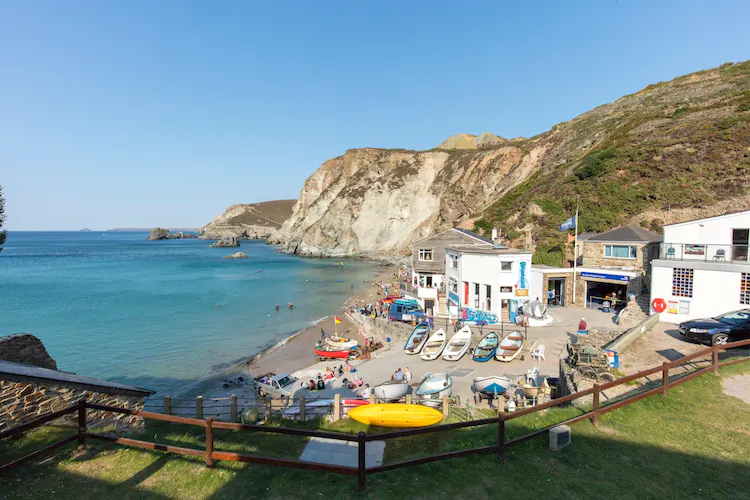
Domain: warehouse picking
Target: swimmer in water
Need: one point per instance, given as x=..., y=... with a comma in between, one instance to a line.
x=277, y=307
x=290, y=306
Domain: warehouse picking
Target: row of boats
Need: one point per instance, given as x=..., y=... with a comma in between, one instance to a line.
x=335, y=347
x=432, y=346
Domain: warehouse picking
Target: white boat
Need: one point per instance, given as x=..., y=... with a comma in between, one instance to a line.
x=312, y=409
x=494, y=384
x=341, y=343
x=434, y=346
x=417, y=339
x=458, y=345
x=391, y=391
x=433, y=388
x=510, y=347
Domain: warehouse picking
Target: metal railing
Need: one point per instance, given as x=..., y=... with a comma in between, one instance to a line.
x=705, y=252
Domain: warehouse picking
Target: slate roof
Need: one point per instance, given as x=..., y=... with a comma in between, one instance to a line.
x=628, y=234
x=473, y=234
x=19, y=372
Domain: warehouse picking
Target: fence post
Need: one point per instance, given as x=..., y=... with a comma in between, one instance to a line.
x=302, y=416
x=82, y=423
x=336, y=407
x=199, y=407
x=233, y=407
x=361, y=455
x=167, y=405
x=372, y=399
x=268, y=407
x=209, y=442
x=715, y=359
x=664, y=378
x=500, y=435
x=595, y=418
x=446, y=407
x=408, y=399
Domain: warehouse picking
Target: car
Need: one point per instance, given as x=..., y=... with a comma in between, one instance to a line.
x=720, y=330
x=274, y=384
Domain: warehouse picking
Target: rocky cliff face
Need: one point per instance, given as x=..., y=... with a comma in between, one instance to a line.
x=256, y=221
x=684, y=143
x=26, y=348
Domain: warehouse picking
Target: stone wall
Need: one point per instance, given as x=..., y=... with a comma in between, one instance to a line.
x=593, y=255
x=22, y=402
x=27, y=349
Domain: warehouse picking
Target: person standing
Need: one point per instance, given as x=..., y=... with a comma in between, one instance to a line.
x=407, y=375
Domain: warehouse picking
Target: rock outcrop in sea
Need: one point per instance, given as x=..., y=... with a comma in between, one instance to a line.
x=238, y=255
x=225, y=242
x=27, y=349
x=163, y=234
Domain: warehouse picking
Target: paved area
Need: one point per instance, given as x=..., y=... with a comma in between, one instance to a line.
x=738, y=386
x=336, y=452
x=379, y=369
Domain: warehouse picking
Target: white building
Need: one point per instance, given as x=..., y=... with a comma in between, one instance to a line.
x=703, y=269
x=486, y=283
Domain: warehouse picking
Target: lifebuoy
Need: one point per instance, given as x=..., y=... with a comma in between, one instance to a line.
x=659, y=305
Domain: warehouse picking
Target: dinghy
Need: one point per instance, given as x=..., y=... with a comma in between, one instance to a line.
x=396, y=415
x=324, y=353
x=510, y=347
x=458, y=345
x=391, y=391
x=417, y=339
x=433, y=388
x=341, y=343
x=434, y=346
x=492, y=385
x=486, y=348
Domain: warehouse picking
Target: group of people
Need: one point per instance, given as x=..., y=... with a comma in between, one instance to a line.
x=331, y=373
x=289, y=305
x=400, y=376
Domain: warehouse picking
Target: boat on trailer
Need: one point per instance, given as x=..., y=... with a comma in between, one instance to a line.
x=434, y=346
x=458, y=345
x=490, y=387
x=341, y=343
x=433, y=388
x=510, y=347
x=486, y=348
x=417, y=339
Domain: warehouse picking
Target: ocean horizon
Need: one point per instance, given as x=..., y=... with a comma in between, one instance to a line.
x=163, y=315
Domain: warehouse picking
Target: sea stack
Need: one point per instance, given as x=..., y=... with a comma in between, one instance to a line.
x=227, y=241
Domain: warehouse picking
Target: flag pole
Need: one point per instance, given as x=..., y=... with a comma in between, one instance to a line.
x=575, y=252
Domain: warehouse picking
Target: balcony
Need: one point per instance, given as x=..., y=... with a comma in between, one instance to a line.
x=735, y=254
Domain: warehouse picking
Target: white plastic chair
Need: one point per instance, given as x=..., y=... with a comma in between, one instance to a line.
x=532, y=377
x=538, y=353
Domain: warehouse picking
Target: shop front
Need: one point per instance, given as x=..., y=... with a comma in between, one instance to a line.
x=606, y=287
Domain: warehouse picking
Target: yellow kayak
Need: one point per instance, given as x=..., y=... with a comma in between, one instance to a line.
x=396, y=415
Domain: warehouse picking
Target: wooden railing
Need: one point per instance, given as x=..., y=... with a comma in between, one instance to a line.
x=211, y=455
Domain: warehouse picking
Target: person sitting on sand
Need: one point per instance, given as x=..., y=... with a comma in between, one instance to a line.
x=311, y=385
x=329, y=373
x=341, y=370
x=365, y=393
x=398, y=376
x=582, y=326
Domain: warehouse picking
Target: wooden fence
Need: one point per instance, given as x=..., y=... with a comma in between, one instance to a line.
x=361, y=471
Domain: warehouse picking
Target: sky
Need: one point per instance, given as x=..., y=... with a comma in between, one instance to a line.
x=143, y=113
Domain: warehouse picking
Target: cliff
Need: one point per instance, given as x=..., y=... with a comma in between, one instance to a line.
x=684, y=144
x=251, y=221
x=26, y=348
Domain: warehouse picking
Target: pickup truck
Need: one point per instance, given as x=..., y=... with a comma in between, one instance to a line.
x=280, y=384
x=406, y=312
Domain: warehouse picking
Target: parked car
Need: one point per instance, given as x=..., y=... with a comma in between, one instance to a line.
x=275, y=385
x=406, y=312
x=720, y=330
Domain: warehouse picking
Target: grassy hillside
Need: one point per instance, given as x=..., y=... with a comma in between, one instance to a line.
x=684, y=143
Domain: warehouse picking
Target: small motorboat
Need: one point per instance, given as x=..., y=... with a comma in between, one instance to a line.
x=510, y=347
x=331, y=353
x=458, y=345
x=434, y=346
x=433, y=388
x=417, y=339
x=486, y=348
x=341, y=343
x=391, y=391
x=490, y=387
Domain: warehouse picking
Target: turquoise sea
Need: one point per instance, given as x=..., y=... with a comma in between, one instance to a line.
x=116, y=306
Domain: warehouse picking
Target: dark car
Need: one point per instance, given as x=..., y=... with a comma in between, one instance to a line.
x=720, y=330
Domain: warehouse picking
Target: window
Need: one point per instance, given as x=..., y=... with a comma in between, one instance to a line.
x=621, y=251
x=745, y=289
x=429, y=281
x=453, y=284
x=425, y=254
x=489, y=297
x=506, y=266
x=454, y=262
x=734, y=318
x=476, y=295
x=506, y=289
x=682, y=282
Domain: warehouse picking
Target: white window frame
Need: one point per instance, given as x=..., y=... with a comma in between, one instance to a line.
x=630, y=247
x=423, y=252
x=503, y=262
x=453, y=285
x=454, y=262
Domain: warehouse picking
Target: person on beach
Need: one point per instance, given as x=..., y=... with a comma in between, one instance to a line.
x=321, y=383
x=365, y=393
x=398, y=376
x=322, y=334
x=341, y=370
x=407, y=375
x=311, y=385
x=582, y=325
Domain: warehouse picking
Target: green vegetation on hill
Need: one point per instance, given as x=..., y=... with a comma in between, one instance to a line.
x=684, y=143
x=695, y=443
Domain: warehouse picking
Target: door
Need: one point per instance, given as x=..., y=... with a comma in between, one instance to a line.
x=488, y=292
x=429, y=281
x=429, y=306
x=466, y=293
x=739, y=244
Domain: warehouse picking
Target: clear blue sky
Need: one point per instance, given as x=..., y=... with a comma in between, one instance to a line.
x=145, y=113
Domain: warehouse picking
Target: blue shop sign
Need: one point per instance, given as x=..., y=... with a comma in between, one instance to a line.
x=602, y=276
x=453, y=297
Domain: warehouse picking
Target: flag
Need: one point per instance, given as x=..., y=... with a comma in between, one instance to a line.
x=337, y=320
x=568, y=224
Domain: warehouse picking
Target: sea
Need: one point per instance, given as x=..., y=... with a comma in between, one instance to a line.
x=165, y=315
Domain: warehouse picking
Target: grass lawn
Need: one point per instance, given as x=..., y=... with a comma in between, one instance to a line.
x=693, y=444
